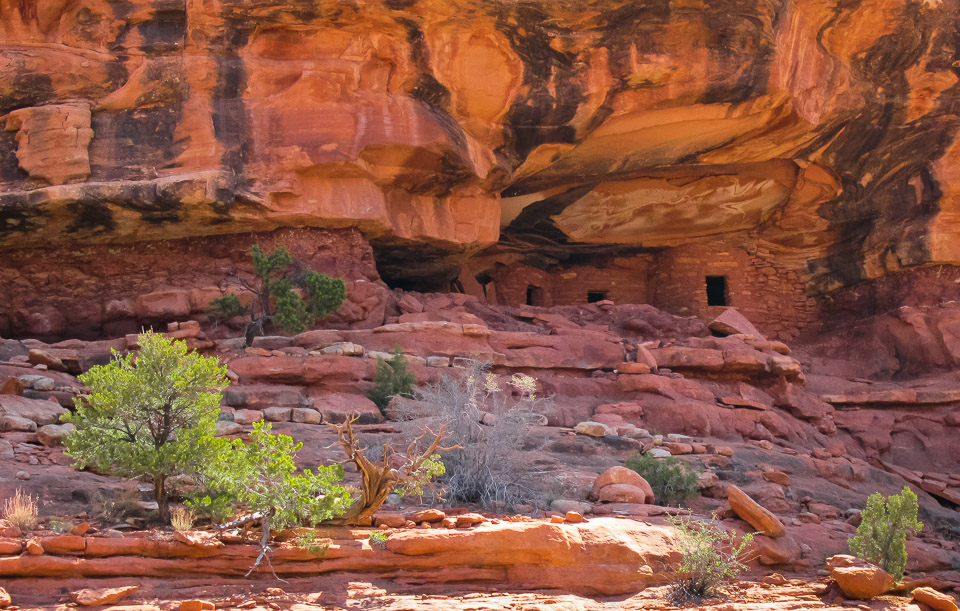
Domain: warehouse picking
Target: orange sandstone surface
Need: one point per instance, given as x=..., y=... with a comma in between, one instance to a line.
x=798, y=148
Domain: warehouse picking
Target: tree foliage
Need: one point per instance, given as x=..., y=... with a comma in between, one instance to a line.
x=282, y=294
x=150, y=414
x=884, y=525
x=262, y=478
x=391, y=379
x=672, y=480
x=710, y=556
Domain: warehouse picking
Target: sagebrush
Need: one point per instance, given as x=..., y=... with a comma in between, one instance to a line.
x=489, y=421
x=672, y=480
x=884, y=526
x=710, y=556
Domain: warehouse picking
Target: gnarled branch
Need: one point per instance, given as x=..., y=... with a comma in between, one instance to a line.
x=379, y=479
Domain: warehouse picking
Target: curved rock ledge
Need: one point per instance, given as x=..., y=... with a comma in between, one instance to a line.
x=604, y=556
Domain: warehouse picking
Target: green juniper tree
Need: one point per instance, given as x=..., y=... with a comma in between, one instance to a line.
x=884, y=525
x=283, y=294
x=152, y=414
x=262, y=478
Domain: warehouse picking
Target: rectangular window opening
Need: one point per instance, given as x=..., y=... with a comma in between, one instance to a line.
x=595, y=296
x=534, y=296
x=717, y=291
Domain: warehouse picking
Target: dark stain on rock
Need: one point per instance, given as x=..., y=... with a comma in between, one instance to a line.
x=90, y=218
x=427, y=89
x=28, y=89
x=117, y=73
x=229, y=111
x=398, y=5
x=10, y=170
x=165, y=32
x=167, y=77
x=740, y=32
x=885, y=160
x=633, y=24
x=550, y=77
x=132, y=144
x=14, y=218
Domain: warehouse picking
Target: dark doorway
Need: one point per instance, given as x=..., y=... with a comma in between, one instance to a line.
x=595, y=296
x=534, y=296
x=717, y=291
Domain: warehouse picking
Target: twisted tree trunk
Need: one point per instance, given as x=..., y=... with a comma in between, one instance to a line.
x=378, y=480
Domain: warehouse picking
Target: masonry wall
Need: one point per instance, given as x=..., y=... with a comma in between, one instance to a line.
x=623, y=280
x=768, y=289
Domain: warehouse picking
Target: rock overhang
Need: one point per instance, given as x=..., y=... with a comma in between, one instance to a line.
x=440, y=130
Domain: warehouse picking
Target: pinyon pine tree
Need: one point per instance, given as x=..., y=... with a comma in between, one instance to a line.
x=283, y=295
x=152, y=414
x=884, y=525
x=262, y=477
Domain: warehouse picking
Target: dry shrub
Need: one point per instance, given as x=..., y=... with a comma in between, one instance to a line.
x=489, y=419
x=21, y=510
x=182, y=518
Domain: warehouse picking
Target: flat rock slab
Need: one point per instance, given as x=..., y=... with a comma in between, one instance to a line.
x=605, y=556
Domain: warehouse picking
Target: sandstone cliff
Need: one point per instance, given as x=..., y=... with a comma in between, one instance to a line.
x=804, y=145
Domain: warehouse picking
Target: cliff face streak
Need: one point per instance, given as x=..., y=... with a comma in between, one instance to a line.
x=467, y=134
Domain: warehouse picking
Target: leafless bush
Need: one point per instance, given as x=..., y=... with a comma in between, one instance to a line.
x=488, y=416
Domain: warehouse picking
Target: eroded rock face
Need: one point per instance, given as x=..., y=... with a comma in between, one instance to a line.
x=818, y=136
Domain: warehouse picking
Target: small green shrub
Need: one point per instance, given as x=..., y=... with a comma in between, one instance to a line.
x=673, y=481
x=378, y=540
x=710, y=557
x=391, y=379
x=311, y=541
x=211, y=505
x=61, y=525
x=884, y=526
x=414, y=485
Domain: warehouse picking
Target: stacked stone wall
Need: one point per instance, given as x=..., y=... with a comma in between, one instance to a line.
x=767, y=288
x=623, y=280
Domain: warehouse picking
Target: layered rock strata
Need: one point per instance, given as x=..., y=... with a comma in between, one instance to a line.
x=795, y=148
x=600, y=557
